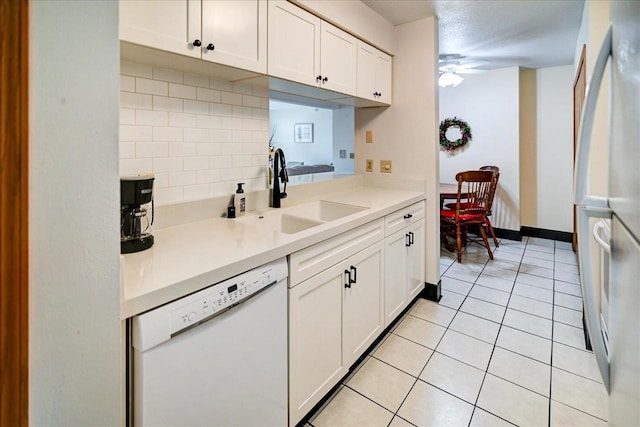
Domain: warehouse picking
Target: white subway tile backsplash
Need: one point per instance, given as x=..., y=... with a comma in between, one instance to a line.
x=163, y=103
x=196, y=134
x=199, y=135
x=196, y=80
x=196, y=107
x=127, y=83
x=183, y=149
x=167, y=134
x=167, y=164
x=152, y=149
x=167, y=75
x=152, y=118
x=195, y=163
x=182, y=120
x=210, y=95
x=151, y=87
x=135, y=133
x=182, y=178
x=231, y=98
x=182, y=91
x=138, y=101
x=127, y=116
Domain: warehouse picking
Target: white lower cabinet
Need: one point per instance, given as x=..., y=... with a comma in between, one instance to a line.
x=343, y=292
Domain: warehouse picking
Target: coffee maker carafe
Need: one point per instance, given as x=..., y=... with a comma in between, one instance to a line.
x=135, y=225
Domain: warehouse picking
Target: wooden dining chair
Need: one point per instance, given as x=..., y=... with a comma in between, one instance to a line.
x=469, y=211
x=494, y=185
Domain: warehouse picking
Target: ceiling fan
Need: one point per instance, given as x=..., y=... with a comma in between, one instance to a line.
x=450, y=66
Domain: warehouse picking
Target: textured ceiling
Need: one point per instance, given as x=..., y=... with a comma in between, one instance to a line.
x=504, y=33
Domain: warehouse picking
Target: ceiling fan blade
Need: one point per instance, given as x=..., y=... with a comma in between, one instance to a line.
x=470, y=71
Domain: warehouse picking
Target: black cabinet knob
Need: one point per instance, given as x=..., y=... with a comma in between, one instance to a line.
x=197, y=43
x=210, y=46
x=325, y=79
x=319, y=78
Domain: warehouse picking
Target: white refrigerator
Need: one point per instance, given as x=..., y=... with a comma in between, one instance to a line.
x=619, y=361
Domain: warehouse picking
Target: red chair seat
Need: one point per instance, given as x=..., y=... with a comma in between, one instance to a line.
x=449, y=214
x=463, y=206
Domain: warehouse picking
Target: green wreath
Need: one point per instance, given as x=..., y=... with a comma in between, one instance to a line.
x=465, y=132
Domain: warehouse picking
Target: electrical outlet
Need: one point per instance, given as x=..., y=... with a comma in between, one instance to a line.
x=369, y=136
x=369, y=165
x=385, y=166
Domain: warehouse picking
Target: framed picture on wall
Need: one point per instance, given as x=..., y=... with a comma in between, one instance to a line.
x=303, y=132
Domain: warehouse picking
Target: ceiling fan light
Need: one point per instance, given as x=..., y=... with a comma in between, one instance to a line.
x=449, y=79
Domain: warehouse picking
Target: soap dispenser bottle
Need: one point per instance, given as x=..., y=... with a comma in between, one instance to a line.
x=240, y=201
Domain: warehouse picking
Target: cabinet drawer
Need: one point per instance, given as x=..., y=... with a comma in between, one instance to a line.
x=314, y=259
x=402, y=218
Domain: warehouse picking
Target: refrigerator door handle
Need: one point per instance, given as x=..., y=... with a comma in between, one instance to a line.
x=597, y=234
x=586, y=127
x=591, y=207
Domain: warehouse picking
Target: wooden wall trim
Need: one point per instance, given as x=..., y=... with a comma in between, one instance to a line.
x=14, y=250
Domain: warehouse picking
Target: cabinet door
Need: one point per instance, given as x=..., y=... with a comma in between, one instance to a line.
x=237, y=29
x=366, y=71
x=383, y=77
x=315, y=340
x=171, y=25
x=338, y=59
x=362, y=317
x=294, y=43
x=395, y=275
x=415, y=260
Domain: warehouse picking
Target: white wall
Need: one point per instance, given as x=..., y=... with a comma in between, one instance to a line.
x=407, y=132
x=320, y=151
x=199, y=135
x=75, y=346
x=489, y=104
x=554, y=149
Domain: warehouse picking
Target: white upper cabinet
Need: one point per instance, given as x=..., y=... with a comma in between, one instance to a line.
x=171, y=25
x=307, y=50
x=237, y=32
x=225, y=32
x=338, y=59
x=374, y=74
x=294, y=43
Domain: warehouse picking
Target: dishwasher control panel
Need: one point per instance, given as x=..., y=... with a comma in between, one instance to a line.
x=216, y=299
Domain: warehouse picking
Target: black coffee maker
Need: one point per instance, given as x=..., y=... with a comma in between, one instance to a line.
x=135, y=225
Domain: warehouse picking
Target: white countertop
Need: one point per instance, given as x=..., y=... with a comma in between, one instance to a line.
x=190, y=257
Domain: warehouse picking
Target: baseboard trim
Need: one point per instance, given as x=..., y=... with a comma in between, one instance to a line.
x=503, y=233
x=543, y=233
x=432, y=292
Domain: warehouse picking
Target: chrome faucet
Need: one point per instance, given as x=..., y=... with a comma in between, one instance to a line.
x=279, y=174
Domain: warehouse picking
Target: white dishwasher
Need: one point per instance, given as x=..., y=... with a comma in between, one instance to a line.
x=217, y=357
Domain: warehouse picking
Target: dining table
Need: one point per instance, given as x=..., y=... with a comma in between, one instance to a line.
x=449, y=191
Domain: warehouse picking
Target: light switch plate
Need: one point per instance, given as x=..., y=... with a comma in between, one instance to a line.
x=385, y=166
x=369, y=136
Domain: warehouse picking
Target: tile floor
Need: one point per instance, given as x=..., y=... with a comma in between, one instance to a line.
x=505, y=346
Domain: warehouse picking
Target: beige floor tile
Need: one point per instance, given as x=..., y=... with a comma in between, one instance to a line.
x=533, y=292
x=504, y=285
x=525, y=344
x=540, y=282
x=513, y=403
x=576, y=361
x=567, y=316
x=521, y=370
x=482, y=418
x=433, y=312
x=465, y=349
x=426, y=406
x=449, y=284
x=565, y=416
x=476, y=327
x=399, y=422
x=420, y=331
x=451, y=300
x=490, y=295
x=384, y=384
x=579, y=393
x=403, y=354
x=500, y=273
x=528, y=323
x=452, y=376
x=569, y=335
x=349, y=409
x=531, y=306
x=483, y=309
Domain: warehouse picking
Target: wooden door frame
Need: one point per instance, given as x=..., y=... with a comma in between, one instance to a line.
x=14, y=222
x=581, y=77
